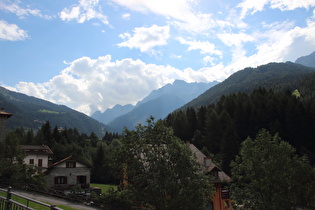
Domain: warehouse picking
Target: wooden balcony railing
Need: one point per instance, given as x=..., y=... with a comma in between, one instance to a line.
x=7, y=203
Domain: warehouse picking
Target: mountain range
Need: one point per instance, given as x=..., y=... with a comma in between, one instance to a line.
x=159, y=103
x=31, y=112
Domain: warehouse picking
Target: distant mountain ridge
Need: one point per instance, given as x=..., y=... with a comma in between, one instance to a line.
x=30, y=112
x=308, y=60
x=159, y=103
x=111, y=114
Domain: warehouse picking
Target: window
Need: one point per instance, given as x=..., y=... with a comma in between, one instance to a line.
x=215, y=173
x=31, y=161
x=71, y=164
x=60, y=180
x=81, y=179
x=40, y=162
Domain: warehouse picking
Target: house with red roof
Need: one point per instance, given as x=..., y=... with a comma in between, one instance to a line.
x=68, y=173
x=221, y=199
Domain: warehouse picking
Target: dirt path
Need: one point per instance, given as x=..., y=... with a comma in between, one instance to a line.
x=52, y=200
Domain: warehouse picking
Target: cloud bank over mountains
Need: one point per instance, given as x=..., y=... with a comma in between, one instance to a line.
x=151, y=43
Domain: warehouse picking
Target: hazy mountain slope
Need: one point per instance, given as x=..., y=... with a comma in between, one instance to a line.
x=269, y=75
x=183, y=90
x=158, y=108
x=159, y=103
x=111, y=114
x=308, y=60
x=31, y=112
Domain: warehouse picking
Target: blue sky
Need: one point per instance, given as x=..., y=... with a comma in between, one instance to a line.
x=93, y=54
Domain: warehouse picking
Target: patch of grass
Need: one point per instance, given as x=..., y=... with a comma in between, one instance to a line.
x=104, y=187
x=48, y=111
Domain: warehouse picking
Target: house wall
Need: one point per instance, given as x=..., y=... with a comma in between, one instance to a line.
x=70, y=173
x=36, y=157
x=218, y=202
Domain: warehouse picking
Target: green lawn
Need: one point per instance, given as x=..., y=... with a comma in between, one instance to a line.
x=104, y=187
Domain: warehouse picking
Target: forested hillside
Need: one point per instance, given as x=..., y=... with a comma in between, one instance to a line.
x=220, y=127
x=269, y=76
x=30, y=113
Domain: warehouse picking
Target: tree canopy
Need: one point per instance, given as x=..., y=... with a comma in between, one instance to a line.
x=267, y=174
x=161, y=171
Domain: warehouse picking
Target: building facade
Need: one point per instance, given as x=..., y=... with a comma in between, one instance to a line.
x=68, y=173
x=4, y=116
x=221, y=199
x=37, y=155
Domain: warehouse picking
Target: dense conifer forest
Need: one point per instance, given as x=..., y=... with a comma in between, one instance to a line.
x=219, y=128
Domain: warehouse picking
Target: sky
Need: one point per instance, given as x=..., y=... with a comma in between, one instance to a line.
x=93, y=54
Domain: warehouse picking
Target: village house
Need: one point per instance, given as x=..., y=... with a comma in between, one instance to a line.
x=4, y=116
x=63, y=174
x=37, y=155
x=221, y=199
x=68, y=173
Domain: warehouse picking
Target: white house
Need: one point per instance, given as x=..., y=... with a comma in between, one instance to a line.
x=37, y=155
x=68, y=173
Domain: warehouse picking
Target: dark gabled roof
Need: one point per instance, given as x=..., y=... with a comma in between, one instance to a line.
x=61, y=161
x=207, y=165
x=36, y=149
x=5, y=114
x=66, y=159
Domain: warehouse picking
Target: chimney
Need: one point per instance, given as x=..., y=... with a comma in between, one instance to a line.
x=50, y=162
x=207, y=161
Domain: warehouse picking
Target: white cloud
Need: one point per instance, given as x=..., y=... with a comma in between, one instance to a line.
x=181, y=12
x=11, y=32
x=89, y=84
x=84, y=11
x=208, y=59
x=22, y=12
x=146, y=38
x=235, y=39
x=204, y=47
x=174, y=9
x=125, y=16
x=254, y=6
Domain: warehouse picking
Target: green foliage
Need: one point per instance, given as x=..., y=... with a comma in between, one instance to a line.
x=85, y=148
x=117, y=200
x=12, y=169
x=104, y=187
x=221, y=127
x=272, y=75
x=161, y=171
x=267, y=174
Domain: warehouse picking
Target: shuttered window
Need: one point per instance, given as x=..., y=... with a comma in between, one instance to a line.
x=60, y=180
x=71, y=164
